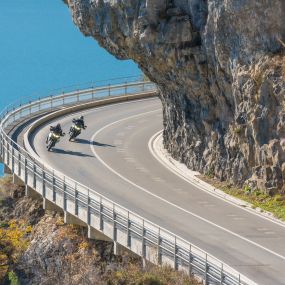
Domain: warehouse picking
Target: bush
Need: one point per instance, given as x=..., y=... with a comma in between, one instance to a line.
x=13, y=278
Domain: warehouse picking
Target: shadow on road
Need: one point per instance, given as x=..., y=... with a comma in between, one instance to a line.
x=83, y=141
x=70, y=152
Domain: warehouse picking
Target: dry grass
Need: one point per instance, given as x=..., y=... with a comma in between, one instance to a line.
x=273, y=204
x=151, y=275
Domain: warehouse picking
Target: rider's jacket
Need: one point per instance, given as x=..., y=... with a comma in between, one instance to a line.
x=79, y=122
x=56, y=130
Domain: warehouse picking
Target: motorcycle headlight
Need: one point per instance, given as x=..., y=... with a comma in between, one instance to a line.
x=56, y=136
x=77, y=128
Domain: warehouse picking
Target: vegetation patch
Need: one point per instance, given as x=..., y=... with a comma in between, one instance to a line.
x=273, y=204
x=151, y=275
x=41, y=249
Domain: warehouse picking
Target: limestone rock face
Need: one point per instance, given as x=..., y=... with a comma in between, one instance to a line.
x=220, y=70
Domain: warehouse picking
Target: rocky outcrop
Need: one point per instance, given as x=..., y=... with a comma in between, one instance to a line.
x=220, y=70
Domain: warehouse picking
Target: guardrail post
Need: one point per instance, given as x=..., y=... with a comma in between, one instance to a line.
x=206, y=269
x=114, y=224
x=158, y=248
x=222, y=275
x=100, y=215
x=51, y=101
x=3, y=150
x=76, y=200
x=26, y=174
x=128, y=231
x=8, y=152
x=143, y=86
x=143, y=240
x=34, y=178
x=88, y=208
x=109, y=89
x=190, y=260
x=92, y=92
x=19, y=164
x=13, y=160
x=239, y=279
x=43, y=183
x=126, y=88
x=63, y=101
x=1, y=147
x=20, y=111
x=64, y=194
x=53, y=188
x=175, y=254
x=77, y=95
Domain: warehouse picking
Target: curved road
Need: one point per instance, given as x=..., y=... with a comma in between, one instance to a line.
x=112, y=157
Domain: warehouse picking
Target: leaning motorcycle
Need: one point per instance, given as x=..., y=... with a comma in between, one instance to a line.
x=54, y=138
x=75, y=131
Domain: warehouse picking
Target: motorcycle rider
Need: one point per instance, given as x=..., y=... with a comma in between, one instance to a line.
x=57, y=130
x=79, y=122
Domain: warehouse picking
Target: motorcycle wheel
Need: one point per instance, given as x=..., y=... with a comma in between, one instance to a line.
x=71, y=137
x=50, y=145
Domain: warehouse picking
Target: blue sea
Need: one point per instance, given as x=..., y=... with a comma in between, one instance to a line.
x=42, y=50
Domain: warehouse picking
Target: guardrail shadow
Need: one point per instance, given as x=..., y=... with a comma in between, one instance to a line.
x=70, y=152
x=95, y=143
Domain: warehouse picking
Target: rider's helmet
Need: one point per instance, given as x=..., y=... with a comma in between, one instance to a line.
x=58, y=126
x=81, y=117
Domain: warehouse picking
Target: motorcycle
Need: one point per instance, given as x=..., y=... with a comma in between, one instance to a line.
x=75, y=131
x=54, y=138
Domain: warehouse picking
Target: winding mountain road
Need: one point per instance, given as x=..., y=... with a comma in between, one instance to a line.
x=112, y=157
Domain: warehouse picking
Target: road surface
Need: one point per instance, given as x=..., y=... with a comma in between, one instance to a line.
x=112, y=157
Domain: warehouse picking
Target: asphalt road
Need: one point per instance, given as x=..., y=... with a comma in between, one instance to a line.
x=112, y=157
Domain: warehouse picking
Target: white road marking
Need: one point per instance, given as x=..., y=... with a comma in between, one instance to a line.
x=130, y=127
x=118, y=142
x=282, y=224
x=179, y=190
x=231, y=215
x=129, y=159
x=203, y=202
x=157, y=179
x=270, y=233
x=142, y=169
x=262, y=229
x=238, y=219
x=164, y=200
x=121, y=134
x=266, y=231
x=206, y=204
x=121, y=150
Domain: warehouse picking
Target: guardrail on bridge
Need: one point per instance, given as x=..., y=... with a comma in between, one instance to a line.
x=132, y=231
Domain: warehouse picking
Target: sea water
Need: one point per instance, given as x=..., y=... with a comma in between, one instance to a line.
x=42, y=50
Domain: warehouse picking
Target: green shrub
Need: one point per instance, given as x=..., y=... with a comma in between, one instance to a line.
x=13, y=278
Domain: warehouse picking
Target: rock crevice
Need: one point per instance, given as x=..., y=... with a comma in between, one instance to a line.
x=220, y=70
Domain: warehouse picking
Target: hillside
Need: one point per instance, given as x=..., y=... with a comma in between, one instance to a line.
x=38, y=248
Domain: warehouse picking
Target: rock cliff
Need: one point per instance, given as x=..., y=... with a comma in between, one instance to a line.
x=220, y=70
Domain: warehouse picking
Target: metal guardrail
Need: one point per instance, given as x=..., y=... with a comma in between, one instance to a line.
x=127, y=228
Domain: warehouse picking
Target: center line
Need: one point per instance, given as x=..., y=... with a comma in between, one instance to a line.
x=162, y=199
